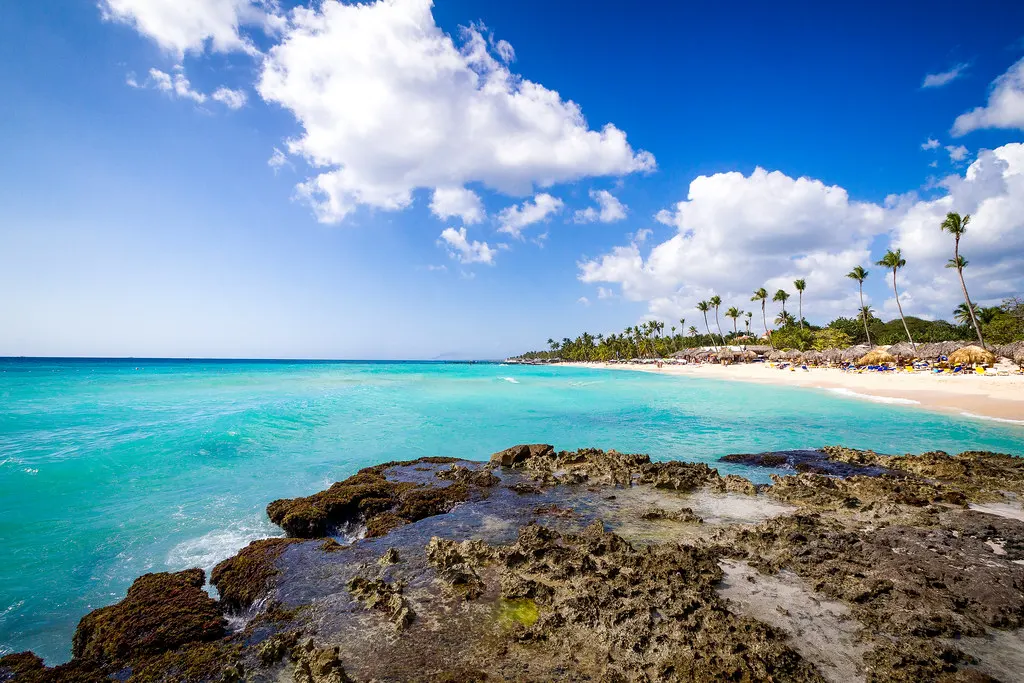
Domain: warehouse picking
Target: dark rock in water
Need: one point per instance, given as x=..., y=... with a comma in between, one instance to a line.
x=370, y=498
x=464, y=475
x=161, y=612
x=812, y=461
x=247, y=576
x=684, y=515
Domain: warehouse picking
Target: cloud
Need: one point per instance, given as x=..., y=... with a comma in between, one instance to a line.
x=608, y=210
x=389, y=103
x=181, y=26
x=232, y=99
x=604, y=293
x=956, y=152
x=583, y=300
x=1005, y=107
x=457, y=201
x=940, y=79
x=641, y=235
x=277, y=159
x=931, y=143
x=514, y=218
x=440, y=268
x=177, y=85
x=735, y=233
x=991, y=190
x=464, y=251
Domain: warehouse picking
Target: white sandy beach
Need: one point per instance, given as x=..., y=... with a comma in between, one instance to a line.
x=993, y=397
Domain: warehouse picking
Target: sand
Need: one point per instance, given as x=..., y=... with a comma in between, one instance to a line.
x=999, y=398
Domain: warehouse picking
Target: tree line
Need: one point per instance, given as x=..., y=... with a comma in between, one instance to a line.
x=1000, y=324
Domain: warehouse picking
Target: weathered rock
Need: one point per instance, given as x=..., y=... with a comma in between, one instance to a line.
x=368, y=498
x=387, y=597
x=756, y=459
x=510, y=457
x=685, y=515
x=389, y=557
x=244, y=578
x=318, y=664
x=161, y=612
x=678, y=476
x=482, y=478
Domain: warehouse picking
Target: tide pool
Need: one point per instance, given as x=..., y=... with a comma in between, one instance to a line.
x=111, y=469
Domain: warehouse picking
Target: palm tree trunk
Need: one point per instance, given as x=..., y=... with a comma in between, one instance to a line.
x=905, y=328
x=864, y=314
x=764, y=319
x=801, y=309
x=963, y=286
x=708, y=327
x=719, y=326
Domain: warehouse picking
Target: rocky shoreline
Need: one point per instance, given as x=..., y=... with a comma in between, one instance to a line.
x=597, y=565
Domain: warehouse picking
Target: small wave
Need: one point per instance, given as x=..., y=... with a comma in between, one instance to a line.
x=876, y=399
x=513, y=380
x=210, y=548
x=585, y=384
x=31, y=470
x=994, y=419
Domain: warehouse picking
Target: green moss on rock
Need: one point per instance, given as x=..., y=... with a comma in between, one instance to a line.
x=246, y=577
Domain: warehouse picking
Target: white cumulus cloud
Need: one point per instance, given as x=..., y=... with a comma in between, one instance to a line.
x=1005, y=107
x=931, y=143
x=177, y=85
x=181, y=26
x=389, y=103
x=514, y=219
x=735, y=233
x=232, y=99
x=465, y=251
x=608, y=210
x=940, y=79
x=956, y=152
x=457, y=201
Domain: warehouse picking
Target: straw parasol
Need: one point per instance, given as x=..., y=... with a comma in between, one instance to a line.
x=792, y=355
x=814, y=357
x=903, y=350
x=937, y=350
x=876, y=357
x=1018, y=358
x=748, y=355
x=853, y=353
x=832, y=355
x=776, y=355
x=1009, y=350
x=972, y=355
x=726, y=355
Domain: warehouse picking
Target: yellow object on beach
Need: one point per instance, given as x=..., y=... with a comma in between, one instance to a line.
x=980, y=370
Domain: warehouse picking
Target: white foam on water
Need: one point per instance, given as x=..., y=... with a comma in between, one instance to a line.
x=210, y=548
x=871, y=397
x=513, y=380
x=1007, y=510
x=994, y=419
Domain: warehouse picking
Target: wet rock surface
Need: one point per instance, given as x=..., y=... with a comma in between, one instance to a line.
x=595, y=565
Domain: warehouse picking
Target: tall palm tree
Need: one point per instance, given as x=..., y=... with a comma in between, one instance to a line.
x=957, y=226
x=781, y=296
x=747, y=321
x=694, y=331
x=704, y=307
x=894, y=260
x=800, y=285
x=859, y=274
x=735, y=314
x=762, y=296
x=715, y=302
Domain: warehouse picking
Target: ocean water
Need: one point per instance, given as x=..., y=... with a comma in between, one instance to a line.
x=110, y=469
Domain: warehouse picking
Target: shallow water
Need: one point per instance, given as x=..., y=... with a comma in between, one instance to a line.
x=110, y=469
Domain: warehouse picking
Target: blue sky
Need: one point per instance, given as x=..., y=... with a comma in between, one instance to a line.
x=139, y=214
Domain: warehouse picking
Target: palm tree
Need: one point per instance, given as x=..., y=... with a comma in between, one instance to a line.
x=867, y=312
x=715, y=302
x=962, y=314
x=704, y=307
x=781, y=296
x=762, y=296
x=957, y=226
x=784, y=319
x=734, y=313
x=800, y=285
x=859, y=274
x=895, y=261
x=747, y=321
x=694, y=331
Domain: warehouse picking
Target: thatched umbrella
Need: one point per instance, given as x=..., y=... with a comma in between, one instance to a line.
x=852, y=354
x=938, y=350
x=726, y=355
x=776, y=355
x=748, y=355
x=972, y=355
x=1018, y=358
x=814, y=357
x=903, y=351
x=1010, y=350
x=876, y=357
x=792, y=355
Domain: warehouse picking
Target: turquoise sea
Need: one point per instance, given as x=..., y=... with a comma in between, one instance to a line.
x=113, y=468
